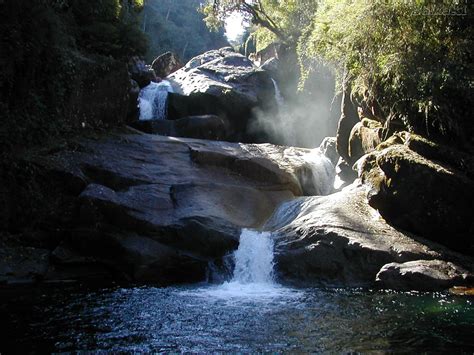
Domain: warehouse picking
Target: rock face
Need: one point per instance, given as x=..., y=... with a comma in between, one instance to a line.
x=423, y=275
x=210, y=127
x=421, y=196
x=166, y=64
x=140, y=72
x=364, y=138
x=153, y=208
x=328, y=148
x=339, y=239
x=349, y=118
x=223, y=83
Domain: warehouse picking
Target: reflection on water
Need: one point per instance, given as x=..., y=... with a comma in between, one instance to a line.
x=215, y=318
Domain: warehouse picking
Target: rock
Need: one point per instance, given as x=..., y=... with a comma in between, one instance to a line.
x=345, y=173
x=140, y=72
x=166, y=64
x=210, y=127
x=365, y=136
x=133, y=110
x=423, y=275
x=229, y=86
x=421, y=196
x=160, y=209
x=270, y=65
x=440, y=153
x=21, y=264
x=349, y=118
x=328, y=148
x=340, y=240
x=205, y=127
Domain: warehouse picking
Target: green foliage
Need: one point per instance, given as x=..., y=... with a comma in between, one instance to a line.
x=178, y=26
x=411, y=59
x=407, y=61
x=276, y=20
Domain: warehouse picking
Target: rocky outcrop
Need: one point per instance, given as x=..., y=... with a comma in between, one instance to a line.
x=133, y=110
x=340, y=240
x=365, y=136
x=428, y=198
x=223, y=83
x=154, y=208
x=349, y=118
x=423, y=275
x=142, y=73
x=210, y=127
x=328, y=148
x=166, y=64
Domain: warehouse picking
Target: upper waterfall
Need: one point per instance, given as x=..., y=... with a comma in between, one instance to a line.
x=278, y=97
x=153, y=98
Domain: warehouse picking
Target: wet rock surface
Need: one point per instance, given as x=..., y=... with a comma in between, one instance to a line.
x=154, y=208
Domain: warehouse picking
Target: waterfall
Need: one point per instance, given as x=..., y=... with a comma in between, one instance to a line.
x=153, y=99
x=254, y=258
x=278, y=97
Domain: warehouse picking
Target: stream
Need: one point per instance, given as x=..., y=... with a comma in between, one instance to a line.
x=248, y=313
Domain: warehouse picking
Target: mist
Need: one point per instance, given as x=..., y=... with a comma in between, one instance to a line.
x=302, y=118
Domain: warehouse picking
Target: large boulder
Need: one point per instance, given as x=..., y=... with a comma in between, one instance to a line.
x=365, y=136
x=142, y=73
x=233, y=85
x=428, y=198
x=328, y=148
x=423, y=275
x=155, y=208
x=166, y=64
x=349, y=118
x=203, y=127
x=340, y=239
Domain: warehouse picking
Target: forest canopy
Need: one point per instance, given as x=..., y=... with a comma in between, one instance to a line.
x=408, y=61
x=178, y=26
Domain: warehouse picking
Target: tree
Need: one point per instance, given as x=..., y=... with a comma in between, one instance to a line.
x=163, y=24
x=408, y=60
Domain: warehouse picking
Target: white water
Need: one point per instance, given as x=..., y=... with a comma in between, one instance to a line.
x=152, y=99
x=253, y=273
x=278, y=97
x=254, y=258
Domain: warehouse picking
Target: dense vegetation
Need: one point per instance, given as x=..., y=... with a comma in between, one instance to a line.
x=406, y=61
x=178, y=26
x=48, y=48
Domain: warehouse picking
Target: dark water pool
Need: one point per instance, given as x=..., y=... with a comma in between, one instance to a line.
x=209, y=319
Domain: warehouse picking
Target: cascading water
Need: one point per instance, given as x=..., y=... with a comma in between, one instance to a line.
x=253, y=273
x=278, y=97
x=153, y=99
x=254, y=258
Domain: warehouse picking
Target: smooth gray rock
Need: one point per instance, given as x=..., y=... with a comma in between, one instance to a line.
x=154, y=203
x=423, y=275
x=227, y=79
x=339, y=239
